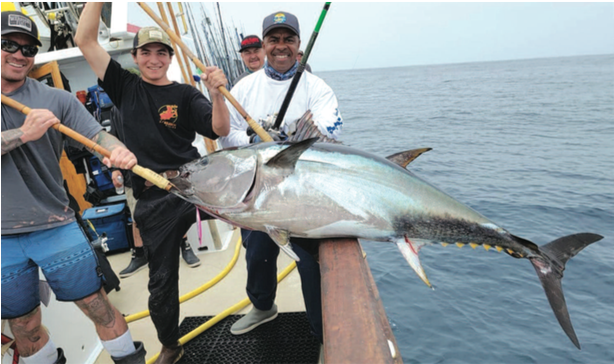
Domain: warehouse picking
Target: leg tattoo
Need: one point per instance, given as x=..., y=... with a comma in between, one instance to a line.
x=29, y=334
x=99, y=309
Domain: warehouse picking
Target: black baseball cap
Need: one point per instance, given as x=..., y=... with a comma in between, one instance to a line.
x=280, y=19
x=251, y=41
x=17, y=22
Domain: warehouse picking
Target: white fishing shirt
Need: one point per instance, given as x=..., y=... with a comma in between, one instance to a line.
x=261, y=97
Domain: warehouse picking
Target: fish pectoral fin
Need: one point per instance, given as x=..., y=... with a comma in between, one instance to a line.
x=410, y=249
x=287, y=158
x=282, y=239
x=406, y=157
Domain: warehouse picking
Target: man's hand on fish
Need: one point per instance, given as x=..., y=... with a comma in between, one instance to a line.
x=276, y=135
x=268, y=122
x=267, y=125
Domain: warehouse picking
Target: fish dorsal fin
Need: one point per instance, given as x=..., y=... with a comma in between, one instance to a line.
x=305, y=128
x=406, y=157
x=288, y=157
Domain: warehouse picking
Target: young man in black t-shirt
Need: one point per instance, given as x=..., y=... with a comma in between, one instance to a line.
x=161, y=119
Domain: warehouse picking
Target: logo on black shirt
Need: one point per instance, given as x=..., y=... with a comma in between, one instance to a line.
x=169, y=115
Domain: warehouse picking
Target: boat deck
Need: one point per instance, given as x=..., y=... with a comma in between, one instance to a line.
x=132, y=297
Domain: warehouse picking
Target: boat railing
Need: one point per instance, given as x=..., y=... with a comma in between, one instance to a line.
x=355, y=325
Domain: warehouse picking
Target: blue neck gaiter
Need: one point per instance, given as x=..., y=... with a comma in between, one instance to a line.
x=270, y=71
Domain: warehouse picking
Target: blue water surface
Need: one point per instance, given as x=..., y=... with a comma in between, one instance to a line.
x=530, y=145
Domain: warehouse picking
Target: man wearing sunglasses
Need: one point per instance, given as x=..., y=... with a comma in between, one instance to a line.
x=19, y=46
x=38, y=227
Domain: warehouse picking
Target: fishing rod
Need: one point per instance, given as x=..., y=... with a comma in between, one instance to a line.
x=184, y=74
x=216, y=39
x=240, y=65
x=182, y=14
x=197, y=39
x=219, y=13
x=300, y=70
x=216, y=35
x=171, y=14
x=209, y=40
x=254, y=125
x=146, y=173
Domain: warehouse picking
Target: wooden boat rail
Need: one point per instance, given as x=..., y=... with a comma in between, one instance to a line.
x=356, y=329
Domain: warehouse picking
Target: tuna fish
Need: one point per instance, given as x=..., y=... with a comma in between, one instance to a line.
x=323, y=190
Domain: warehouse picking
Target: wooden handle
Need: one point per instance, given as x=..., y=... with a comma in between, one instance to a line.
x=186, y=51
x=146, y=173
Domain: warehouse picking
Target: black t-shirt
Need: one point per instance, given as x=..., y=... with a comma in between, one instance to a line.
x=159, y=122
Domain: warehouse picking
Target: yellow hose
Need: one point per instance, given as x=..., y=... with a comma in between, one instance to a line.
x=222, y=315
x=199, y=290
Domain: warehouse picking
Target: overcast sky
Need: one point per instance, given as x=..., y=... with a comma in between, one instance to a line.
x=373, y=35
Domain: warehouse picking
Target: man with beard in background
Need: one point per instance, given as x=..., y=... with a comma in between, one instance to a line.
x=252, y=55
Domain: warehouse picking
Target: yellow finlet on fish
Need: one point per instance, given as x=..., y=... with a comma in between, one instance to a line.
x=460, y=245
x=444, y=244
x=487, y=247
x=498, y=248
x=473, y=245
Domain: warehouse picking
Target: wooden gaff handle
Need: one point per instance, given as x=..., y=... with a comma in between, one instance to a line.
x=146, y=173
x=254, y=125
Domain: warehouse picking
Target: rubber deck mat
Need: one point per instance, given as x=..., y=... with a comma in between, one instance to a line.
x=287, y=339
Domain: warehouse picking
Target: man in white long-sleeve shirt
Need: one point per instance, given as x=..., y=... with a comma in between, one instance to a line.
x=261, y=94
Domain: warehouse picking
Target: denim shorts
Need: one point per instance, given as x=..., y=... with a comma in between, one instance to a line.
x=66, y=258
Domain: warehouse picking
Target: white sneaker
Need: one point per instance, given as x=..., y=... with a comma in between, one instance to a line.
x=253, y=319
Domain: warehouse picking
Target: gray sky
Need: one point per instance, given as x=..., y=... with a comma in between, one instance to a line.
x=373, y=35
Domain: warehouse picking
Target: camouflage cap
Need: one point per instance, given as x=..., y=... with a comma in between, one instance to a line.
x=148, y=35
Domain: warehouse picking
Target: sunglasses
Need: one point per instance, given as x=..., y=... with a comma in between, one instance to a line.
x=12, y=47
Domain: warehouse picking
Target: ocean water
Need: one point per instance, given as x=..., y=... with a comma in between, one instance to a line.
x=530, y=145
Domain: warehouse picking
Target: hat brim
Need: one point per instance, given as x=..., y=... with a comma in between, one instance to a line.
x=275, y=26
x=155, y=42
x=11, y=31
x=248, y=47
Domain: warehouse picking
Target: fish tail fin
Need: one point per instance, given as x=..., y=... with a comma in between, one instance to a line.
x=550, y=264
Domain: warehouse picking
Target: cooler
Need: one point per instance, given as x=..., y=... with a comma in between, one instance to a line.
x=113, y=220
x=100, y=174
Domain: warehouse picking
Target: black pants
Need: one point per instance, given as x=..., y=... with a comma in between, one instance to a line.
x=261, y=255
x=163, y=219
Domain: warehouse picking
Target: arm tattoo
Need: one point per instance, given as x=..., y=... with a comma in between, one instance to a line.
x=11, y=139
x=107, y=141
x=99, y=310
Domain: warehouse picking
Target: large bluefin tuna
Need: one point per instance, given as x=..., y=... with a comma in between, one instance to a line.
x=323, y=190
